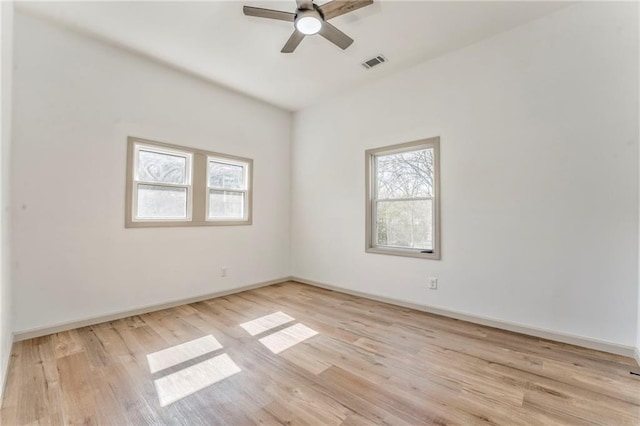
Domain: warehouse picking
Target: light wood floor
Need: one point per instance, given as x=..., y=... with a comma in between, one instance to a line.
x=369, y=363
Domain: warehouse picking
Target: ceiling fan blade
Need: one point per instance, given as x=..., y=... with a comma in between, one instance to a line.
x=340, y=7
x=293, y=42
x=305, y=4
x=268, y=13
x=335, y=36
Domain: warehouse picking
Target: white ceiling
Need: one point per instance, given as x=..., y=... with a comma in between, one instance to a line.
x=216, y=41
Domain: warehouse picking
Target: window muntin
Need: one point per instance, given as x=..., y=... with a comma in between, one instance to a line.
x=170, y=185
x=227, y=189
x=162, y=184
x=402, y=200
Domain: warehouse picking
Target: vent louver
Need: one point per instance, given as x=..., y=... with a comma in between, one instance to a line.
x=374, y=61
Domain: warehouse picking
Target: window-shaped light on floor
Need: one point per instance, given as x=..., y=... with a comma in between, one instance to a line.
x=267, y=322
x=183, y=352
x=185, y=382
x=288, y=337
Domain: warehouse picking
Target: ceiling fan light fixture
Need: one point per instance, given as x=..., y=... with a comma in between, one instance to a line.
x=308, y=22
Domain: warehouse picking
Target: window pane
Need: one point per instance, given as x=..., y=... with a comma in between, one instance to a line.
x=226, y=205
x=228, y=176
x=405, y=175
x=161, y=202
x=407, y=224
x=158, y=167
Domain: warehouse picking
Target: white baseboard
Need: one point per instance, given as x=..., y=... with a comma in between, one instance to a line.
x=586, y=342
x=636, y=355
x=70, y=325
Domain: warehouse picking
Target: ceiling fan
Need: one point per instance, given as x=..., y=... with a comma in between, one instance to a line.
x=310, y=19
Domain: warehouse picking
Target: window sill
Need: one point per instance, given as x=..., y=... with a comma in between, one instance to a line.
x=403, y=252
x=181, y=224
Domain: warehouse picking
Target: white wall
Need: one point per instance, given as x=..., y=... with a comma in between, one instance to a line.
x=75, y=102
x=6, y=338
x=539, y=141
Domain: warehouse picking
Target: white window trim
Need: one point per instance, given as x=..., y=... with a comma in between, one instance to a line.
x=245, y=192
x=370, y=190
x=198, y=188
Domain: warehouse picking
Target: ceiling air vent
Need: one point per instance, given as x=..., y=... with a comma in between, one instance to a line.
x=374, y=61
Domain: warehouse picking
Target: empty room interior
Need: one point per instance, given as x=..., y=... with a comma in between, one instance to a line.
x=327, y=212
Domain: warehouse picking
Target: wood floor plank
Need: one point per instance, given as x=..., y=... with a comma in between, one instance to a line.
x=369, y=363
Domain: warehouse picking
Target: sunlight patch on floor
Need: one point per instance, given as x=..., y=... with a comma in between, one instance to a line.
x=183, y=352
x=290, y=336
x=192, y=379
x=267, y=322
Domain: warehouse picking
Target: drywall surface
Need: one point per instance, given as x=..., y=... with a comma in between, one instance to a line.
x=6, y=317
x=75, y=102
x=539, y=177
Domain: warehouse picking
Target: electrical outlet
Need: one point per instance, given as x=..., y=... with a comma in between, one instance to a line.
x=223, y=271
x=433, y=283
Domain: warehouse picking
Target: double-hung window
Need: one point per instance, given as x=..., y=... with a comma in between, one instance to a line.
x=162, y=180
x=170, y=185
x=403, y=199
x=227, y=190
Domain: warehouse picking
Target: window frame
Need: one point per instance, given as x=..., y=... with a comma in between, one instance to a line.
x=245, y=192
x=188, y=185
x=197, y=178
x=371, y=191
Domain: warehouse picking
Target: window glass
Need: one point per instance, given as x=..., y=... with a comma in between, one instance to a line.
x=161, y=167
x=405, y=175
x=226, y=176
x=158, y=202
x=226, y=204
x=405, y=223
